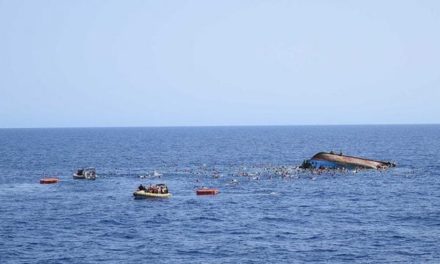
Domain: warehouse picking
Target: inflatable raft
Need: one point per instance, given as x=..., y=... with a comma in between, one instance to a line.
x=141, y=194
x=207, y=191
x=49, y=180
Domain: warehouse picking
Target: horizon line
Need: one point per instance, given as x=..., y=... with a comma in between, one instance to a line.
x=208, y=126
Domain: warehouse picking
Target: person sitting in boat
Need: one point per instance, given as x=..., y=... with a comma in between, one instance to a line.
x=141, y=188
x=153, y=189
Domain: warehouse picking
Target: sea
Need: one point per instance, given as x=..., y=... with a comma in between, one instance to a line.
x=267, y=210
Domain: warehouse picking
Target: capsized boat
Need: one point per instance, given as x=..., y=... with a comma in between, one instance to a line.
x=85, y=174
x=331, y=160
x=153, y=191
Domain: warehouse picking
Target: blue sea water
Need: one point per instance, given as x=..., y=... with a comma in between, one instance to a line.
x=364, y=217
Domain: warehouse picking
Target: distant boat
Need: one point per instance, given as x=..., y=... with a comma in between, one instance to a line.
x=330, y=160
x=85, y=174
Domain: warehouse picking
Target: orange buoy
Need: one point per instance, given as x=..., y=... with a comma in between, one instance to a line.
x=49, y=180
x=207, y=192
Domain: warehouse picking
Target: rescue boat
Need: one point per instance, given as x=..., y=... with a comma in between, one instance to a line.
x=144, y=194
x=85, y=174
x=153, y=191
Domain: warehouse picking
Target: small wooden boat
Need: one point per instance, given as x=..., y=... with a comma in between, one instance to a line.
x=49, y=180
x=207, y=191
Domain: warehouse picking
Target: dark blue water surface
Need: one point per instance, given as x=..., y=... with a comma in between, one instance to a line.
x=364, y=217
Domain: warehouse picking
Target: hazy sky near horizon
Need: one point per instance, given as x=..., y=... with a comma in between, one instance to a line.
x=174, y=63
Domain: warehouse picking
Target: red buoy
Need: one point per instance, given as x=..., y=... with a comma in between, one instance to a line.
x=49, y=180
x=207, y=192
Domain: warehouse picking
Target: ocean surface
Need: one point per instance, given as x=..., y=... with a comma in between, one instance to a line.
x=267, y=210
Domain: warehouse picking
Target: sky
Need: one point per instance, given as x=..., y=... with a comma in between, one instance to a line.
x=89, y=63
